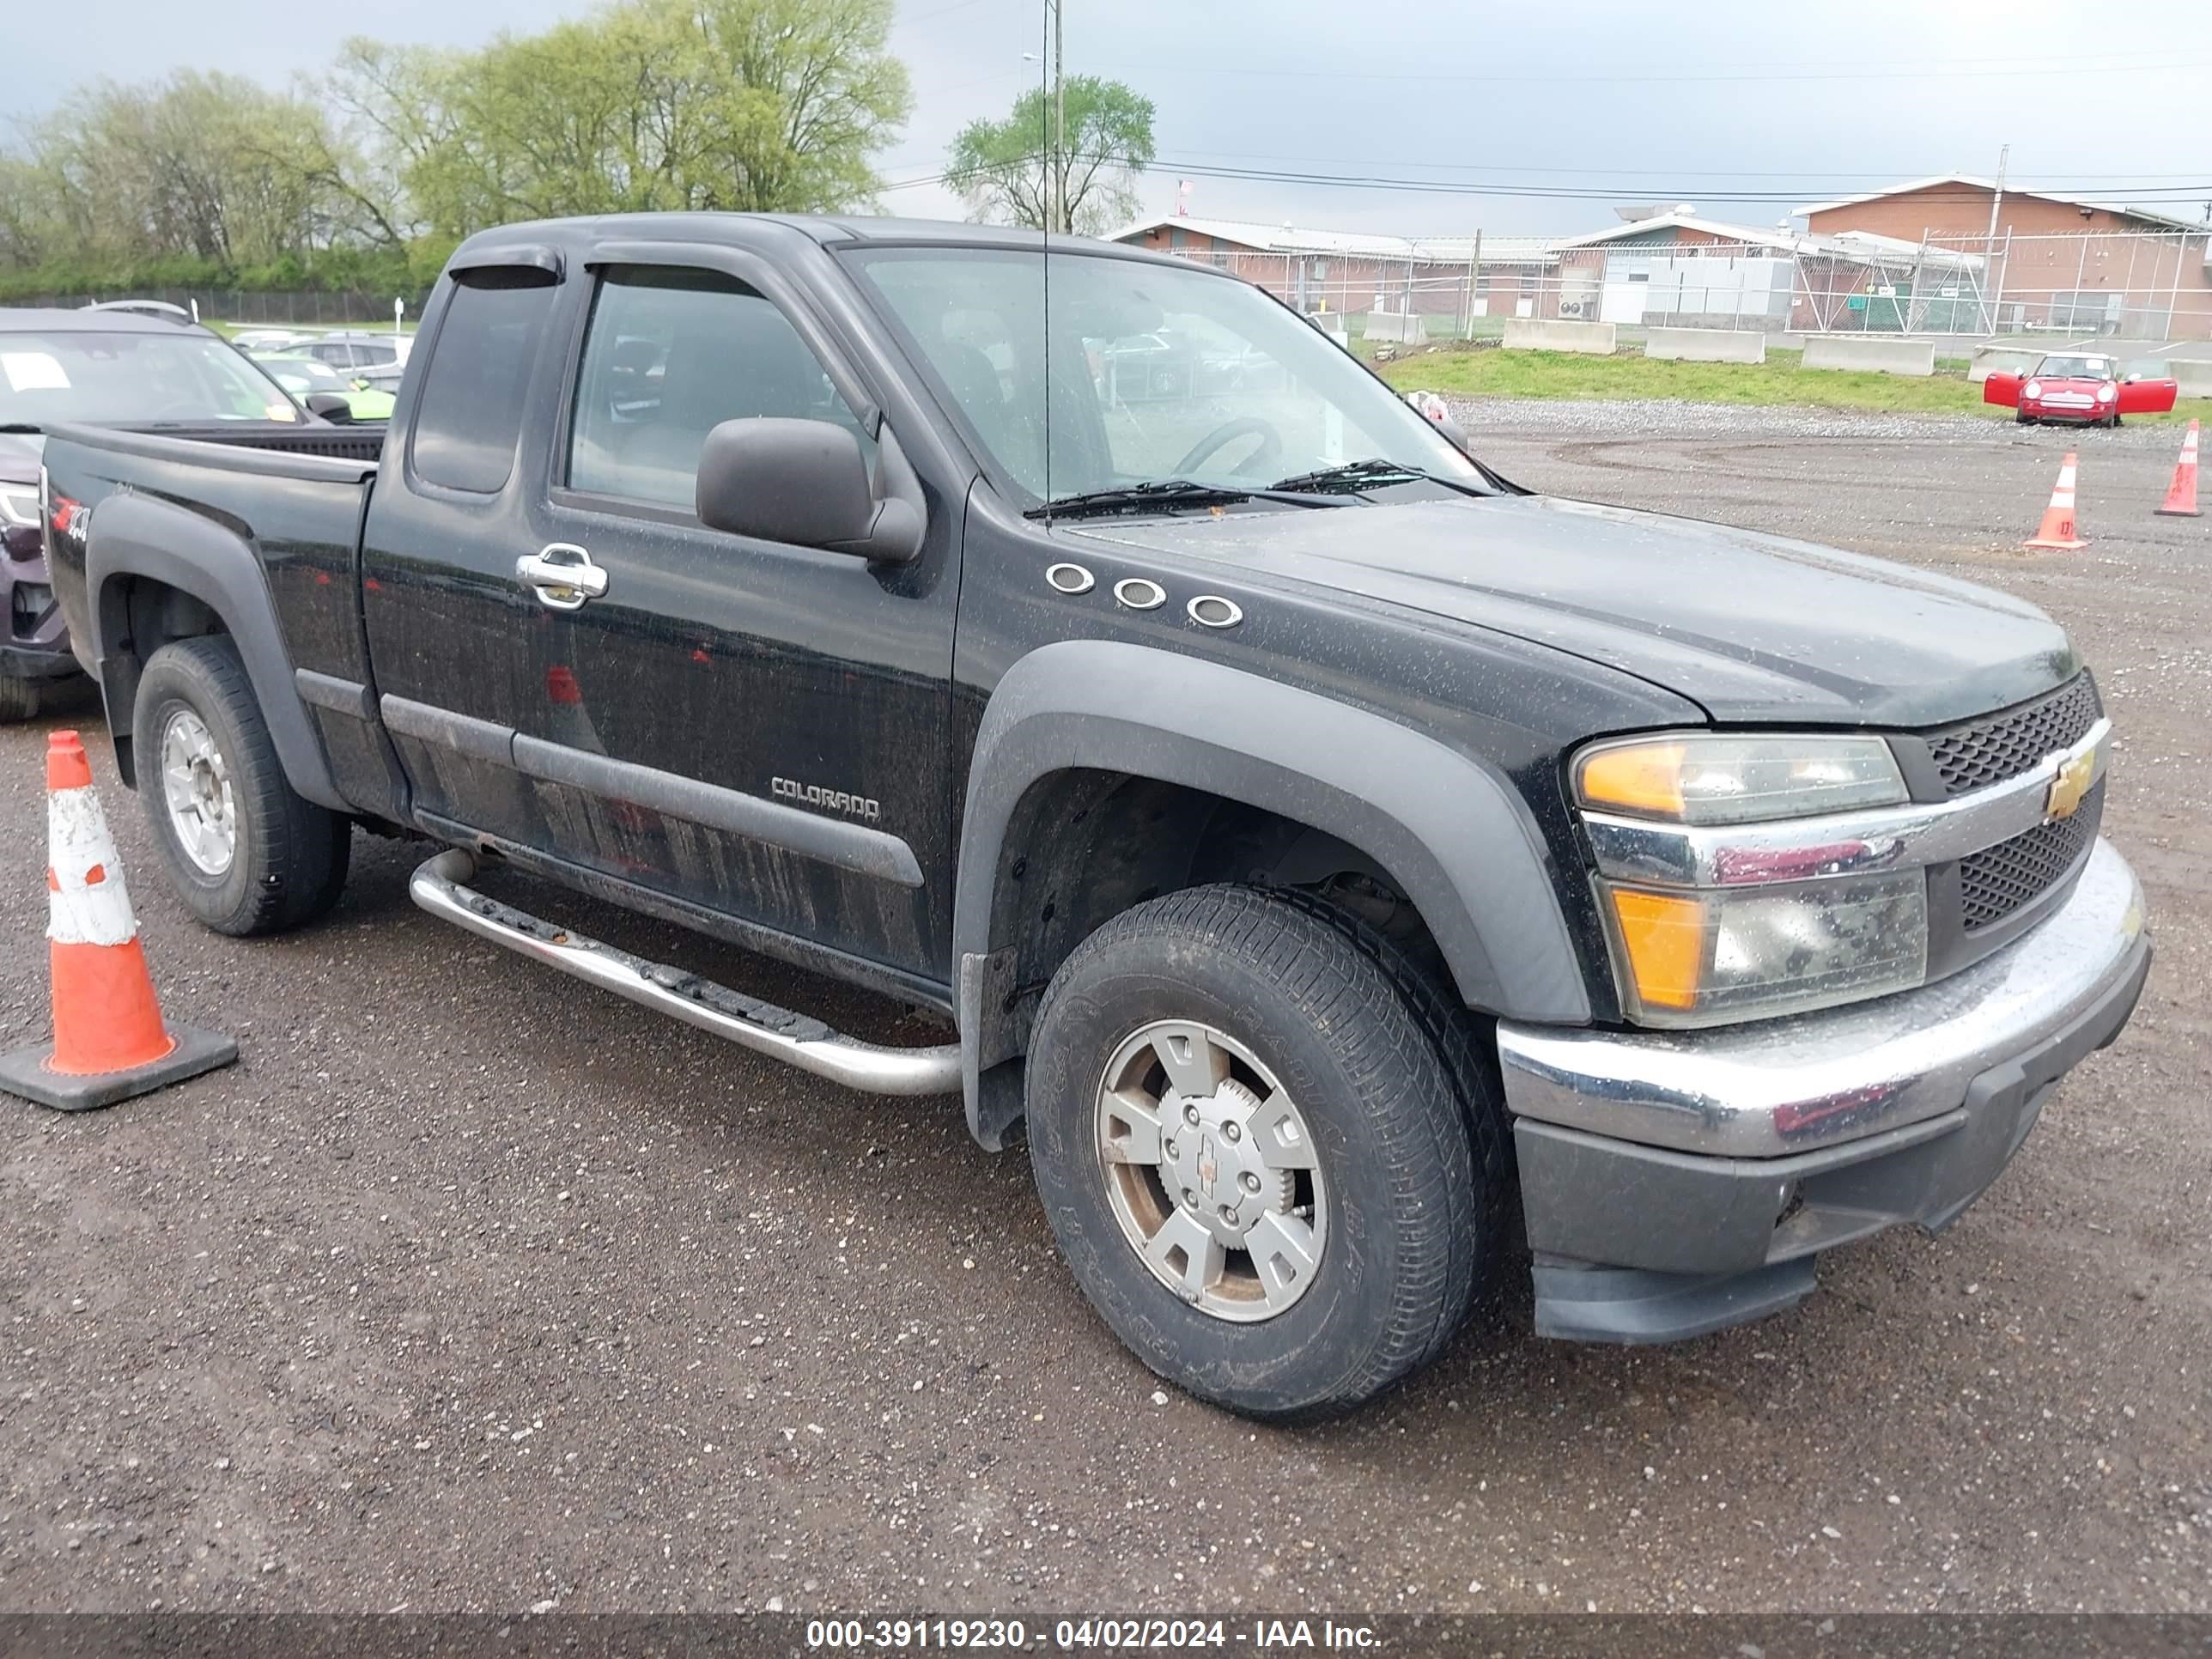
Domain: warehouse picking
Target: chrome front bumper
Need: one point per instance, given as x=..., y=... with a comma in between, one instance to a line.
x=1778, y=1087
x=1676, y=1183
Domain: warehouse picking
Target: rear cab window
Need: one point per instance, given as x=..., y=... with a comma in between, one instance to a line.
x=468, y=417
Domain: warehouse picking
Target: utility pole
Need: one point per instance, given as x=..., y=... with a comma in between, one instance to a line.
x=1059, y=125
x=1989, y=242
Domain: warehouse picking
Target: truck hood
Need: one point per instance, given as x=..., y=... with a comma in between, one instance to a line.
x=1753, y=628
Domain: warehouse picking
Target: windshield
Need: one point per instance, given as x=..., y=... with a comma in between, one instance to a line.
x=1157, y=374
x=2075, y=368
x=119, y=379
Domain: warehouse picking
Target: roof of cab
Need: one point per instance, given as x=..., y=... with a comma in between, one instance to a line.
x=829, y=230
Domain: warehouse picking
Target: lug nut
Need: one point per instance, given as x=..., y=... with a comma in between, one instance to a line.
x=1168, y=1147
x=1229, y=1212
x=1190, y=1115
x=1190, y=1198
x=1232, y=1132
x=1250, y=1182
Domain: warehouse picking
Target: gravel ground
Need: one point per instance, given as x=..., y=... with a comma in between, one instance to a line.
x=472, y=1288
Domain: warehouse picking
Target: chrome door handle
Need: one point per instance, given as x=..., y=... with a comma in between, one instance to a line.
x=563, y=574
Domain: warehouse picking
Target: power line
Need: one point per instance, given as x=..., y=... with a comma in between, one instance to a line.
x=2077, y=180
x=1211, y=68
x=1573, y=191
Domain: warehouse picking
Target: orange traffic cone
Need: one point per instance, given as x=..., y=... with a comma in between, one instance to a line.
x=110, y=1042
x=2181, y=494
x=2058, y=530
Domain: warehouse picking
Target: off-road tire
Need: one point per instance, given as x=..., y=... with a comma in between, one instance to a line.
x=1405, y=1123
x=291, y=855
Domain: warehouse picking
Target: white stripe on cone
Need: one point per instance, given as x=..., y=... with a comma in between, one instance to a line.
x=80, y=909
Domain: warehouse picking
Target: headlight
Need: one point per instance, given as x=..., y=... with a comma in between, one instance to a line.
x=2106, y=392
x=1704, y=779
x=1772, y=936
x=19, y=504
x=1699, y=958
x=2032, y=389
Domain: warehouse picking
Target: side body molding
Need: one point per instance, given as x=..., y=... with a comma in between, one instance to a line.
x=137, y=535
x=1449, y=829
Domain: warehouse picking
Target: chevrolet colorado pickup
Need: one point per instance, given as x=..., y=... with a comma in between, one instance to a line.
x=1358, y=874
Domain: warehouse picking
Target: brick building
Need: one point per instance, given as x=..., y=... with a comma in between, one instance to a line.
x=1338, y=270
x=2059, y=263
x=1681, y=270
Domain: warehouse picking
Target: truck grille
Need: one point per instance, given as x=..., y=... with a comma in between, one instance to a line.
x=2001, y=746
x=1998, y=880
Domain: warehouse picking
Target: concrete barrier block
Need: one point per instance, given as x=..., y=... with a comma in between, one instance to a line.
x=1555, y=334
x=1884, y=353
x=2191, y=379
x=1394, y=326
x=2002, y=360
x=1706, y=345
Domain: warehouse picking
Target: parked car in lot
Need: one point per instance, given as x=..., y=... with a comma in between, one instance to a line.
x=1351, y=868
x=355, y=348
x=303, y=376
x=2080, y=388
x=119, y=364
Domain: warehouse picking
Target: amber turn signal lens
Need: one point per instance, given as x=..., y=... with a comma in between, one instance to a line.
x=1664, y=938
x=1645, y=777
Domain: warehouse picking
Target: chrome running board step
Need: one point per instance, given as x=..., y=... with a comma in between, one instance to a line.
x=440, y=886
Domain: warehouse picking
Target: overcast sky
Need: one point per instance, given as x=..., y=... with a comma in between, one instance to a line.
x=1624, y=102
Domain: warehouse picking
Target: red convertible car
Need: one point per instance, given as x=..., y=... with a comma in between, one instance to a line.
x=2079, y=386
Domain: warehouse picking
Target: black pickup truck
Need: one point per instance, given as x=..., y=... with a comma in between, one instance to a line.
x=1360, y=873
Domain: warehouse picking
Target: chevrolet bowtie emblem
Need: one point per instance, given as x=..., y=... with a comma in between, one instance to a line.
x=2072, y=783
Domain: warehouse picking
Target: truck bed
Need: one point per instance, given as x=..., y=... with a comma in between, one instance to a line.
x=255, y=510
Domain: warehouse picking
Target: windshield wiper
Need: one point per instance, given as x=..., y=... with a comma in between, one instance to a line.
x=1353, y=476
x=1141, y=498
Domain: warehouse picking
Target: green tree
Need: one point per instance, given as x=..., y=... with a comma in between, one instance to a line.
x=1007, y=173
x=746, y=105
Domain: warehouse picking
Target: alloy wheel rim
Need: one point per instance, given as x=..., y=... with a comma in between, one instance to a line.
x=1210, y=1170
x=195, y=788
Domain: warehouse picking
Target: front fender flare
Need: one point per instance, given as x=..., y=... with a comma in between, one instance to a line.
x=1448, y=827
x=137, y=535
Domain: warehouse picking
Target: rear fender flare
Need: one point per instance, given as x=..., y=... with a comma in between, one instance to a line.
x=134, y=535
x=1449, y=829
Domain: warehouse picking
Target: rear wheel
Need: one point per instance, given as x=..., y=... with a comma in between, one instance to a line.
x=245, y=854
x=1261, y=1156
x=20, y=699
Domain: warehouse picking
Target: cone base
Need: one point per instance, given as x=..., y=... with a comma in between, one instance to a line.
x=2177, y=512
x=2055, y=546
x=24, y=1073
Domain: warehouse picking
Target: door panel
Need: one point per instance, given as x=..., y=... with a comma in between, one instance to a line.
x=2148, y=397
x=2002, y=388
x=451, y=631
x=773, y=719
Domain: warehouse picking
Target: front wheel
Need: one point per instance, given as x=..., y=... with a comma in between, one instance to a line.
x=245, y=852
x=1274, y=1175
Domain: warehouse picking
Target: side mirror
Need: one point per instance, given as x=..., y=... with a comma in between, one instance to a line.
x=331, y=405
x=801, y=482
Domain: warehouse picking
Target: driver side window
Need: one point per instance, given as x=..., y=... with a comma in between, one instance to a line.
x=671, y=354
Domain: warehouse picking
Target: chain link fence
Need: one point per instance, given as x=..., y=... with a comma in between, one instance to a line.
x=2146, y=287
x=306, y=309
